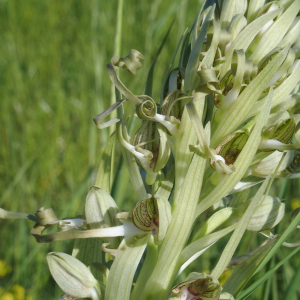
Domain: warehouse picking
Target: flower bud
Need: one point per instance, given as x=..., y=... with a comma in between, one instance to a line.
x=267, y=215
x=198, y=286
x=100, y=209
x=236, y=25
x=267, y=165
x=72, y=276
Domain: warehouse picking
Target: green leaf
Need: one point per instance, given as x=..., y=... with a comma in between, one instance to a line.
x=214, y=221
x=230, y=9
x=191, y=69
x=253, y=7
x=89, y=251
x=119, y=281
x=208, y=59
x=186, y=137
x=146, y=271
x=169, y=69
x=269, y=255
x=166, y=185
x=133, y=170
x=244, y=272
x=239, y=232
x=267, y=275
x=195, y=249
x=149, y=81
x=167, y=266
x=164, y=215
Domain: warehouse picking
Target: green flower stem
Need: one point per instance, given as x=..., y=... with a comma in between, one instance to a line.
x=167, y=266
x=146, y=271
x=133, y=170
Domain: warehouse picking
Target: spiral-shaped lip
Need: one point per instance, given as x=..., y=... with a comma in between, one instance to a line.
x=147, y=109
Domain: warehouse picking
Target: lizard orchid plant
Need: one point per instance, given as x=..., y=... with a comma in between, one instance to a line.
x=227, y=121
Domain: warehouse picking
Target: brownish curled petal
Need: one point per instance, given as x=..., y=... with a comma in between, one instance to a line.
x=144, y=214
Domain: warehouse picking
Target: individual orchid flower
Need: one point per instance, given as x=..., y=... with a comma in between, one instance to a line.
x=151, y=141
x=231, y=147
x=150, y=148
x=151, y=215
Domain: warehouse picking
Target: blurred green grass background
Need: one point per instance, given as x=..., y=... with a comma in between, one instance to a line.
x=52, y=83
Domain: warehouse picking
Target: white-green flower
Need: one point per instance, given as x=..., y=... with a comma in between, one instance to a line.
x=72, y=276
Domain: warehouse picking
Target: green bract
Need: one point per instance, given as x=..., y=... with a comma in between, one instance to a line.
x=73, y=277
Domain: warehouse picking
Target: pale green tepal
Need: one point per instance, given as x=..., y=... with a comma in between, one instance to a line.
x=267, y=215
x=72, y=276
